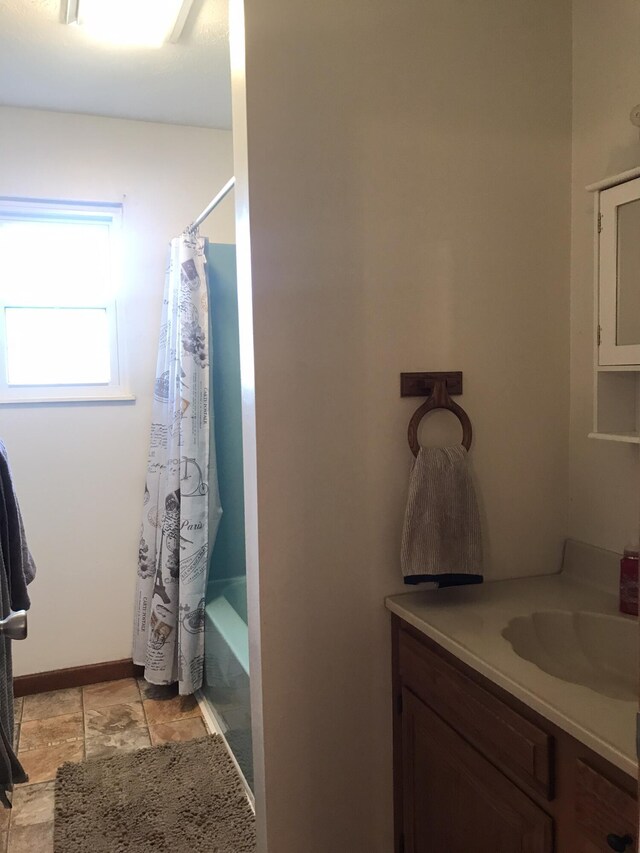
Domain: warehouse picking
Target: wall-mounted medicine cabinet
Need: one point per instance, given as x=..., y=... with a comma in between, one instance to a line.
x=617, y=308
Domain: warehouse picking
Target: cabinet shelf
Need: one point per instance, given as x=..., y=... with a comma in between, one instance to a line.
x=618, y=368
x=625, y=438
x=617, y=406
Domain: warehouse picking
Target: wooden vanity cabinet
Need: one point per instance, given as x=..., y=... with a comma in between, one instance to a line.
x=476, y=771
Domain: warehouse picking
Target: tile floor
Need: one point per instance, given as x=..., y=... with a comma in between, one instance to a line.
x=92, y=721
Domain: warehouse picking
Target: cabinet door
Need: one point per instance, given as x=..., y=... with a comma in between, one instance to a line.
x=606, y=816
x=619, y=274
x=454, y=800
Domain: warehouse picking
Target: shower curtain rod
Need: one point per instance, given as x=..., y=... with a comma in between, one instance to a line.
x=226, y=189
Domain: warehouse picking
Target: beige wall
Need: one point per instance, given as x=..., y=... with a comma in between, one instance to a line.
x=409, y=171
x=604, y=507
x=80, y=469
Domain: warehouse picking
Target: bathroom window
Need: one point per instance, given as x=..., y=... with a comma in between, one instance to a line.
x=59, y=275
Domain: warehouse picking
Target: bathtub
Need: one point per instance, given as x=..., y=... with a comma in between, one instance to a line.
x=227, y=631
x=226, y=670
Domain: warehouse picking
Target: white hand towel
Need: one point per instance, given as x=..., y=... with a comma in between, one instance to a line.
x=441, y=539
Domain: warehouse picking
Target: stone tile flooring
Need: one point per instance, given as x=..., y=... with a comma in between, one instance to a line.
x=79, y=723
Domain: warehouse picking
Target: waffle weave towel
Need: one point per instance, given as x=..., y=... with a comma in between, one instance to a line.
x=441, y=539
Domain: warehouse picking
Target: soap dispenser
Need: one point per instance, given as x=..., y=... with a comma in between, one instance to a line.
x=629, y=581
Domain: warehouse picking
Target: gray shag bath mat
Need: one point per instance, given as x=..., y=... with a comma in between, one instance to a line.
x=178, y=798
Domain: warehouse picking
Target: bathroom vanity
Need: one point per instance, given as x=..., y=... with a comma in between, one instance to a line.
x=492, y=752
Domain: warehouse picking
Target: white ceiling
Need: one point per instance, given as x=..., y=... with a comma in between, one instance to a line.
x=45, y=64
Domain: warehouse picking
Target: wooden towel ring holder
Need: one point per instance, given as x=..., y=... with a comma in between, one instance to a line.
x=439, y=399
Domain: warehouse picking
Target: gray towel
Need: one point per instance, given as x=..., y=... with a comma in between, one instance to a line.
x=441, y=539
x=17, y=569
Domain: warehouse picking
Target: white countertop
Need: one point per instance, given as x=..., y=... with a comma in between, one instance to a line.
x=468, y=622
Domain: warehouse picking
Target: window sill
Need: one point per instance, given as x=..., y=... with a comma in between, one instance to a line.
x=37, y=401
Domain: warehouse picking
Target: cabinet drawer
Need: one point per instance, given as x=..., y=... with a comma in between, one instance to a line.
x=603, y=808
x=511, y=742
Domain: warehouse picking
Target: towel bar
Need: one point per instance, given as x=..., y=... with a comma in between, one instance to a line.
x=439, y=385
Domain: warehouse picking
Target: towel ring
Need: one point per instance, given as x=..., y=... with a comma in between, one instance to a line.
x=439, y=399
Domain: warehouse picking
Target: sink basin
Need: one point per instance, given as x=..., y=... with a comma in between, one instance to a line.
x=592, y=649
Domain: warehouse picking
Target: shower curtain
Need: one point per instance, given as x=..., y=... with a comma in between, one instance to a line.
x=181, y=503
